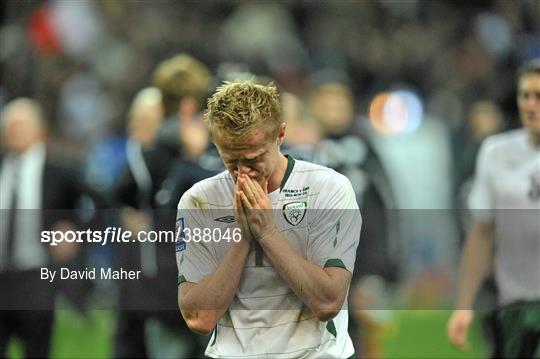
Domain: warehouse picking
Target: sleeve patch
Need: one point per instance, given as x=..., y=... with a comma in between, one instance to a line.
x=180, y=243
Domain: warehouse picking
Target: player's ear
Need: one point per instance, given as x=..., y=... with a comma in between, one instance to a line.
x=281, y=133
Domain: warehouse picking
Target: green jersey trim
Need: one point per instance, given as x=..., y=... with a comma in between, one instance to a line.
x=215, y=336
x=181, y=279
x=331, y=327
x=288, y=171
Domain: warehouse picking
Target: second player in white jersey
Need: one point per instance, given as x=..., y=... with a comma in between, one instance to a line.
x=506, y=191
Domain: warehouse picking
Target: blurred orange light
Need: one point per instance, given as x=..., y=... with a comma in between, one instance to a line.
x=397, y=112
x=376, y=113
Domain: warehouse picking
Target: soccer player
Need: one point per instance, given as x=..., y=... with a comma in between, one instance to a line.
x=505, y=235
x=279, y=291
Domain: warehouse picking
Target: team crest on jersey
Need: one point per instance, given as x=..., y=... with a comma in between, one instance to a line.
x=180, y=243
x=294, y=212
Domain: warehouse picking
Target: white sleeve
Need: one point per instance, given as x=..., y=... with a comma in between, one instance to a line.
x=194, y=260
x=481, y=199
x=334, y=231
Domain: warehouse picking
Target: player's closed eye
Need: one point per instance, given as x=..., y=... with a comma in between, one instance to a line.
x=255, y=159
x=252, y=160
x=247, y=161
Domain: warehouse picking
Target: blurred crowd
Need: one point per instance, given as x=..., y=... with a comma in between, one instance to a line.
x=85, y=60
x=396, y=95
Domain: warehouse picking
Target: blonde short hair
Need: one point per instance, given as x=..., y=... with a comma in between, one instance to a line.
x=238, y=108
x=179, y=77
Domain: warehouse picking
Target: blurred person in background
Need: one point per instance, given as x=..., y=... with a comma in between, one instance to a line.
x=344, y=148
x=505, y=236
x=181, y=143
x=145, y=119
x=484, y=119
x=134, y=191
x=184, y=83
x=182, y=147
x=38, y=191
x=343, y=145
x=303, y=132
x=173, y=161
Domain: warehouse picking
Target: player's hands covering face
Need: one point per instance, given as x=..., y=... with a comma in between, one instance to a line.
x=256, y=206
x=240, y=216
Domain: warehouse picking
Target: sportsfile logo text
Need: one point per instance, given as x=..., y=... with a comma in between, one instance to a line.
x=109, y=235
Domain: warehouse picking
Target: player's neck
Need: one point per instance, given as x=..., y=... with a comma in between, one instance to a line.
x=275, y=179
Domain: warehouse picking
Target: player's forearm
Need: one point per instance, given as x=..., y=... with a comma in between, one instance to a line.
x=476, y=263
x=312, y=284
x=206, y=301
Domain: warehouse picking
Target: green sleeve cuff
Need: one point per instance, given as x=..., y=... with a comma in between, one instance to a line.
x=334, y=262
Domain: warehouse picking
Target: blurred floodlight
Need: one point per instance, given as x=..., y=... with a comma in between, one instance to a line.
x=414, y=108
x=396, y=112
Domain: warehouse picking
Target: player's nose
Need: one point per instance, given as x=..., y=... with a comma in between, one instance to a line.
x=243, y=169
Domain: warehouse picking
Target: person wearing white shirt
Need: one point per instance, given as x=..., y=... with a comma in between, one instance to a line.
x=505, y=235
x=280, y=291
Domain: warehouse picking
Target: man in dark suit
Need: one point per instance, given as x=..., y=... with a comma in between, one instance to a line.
x=37, y=192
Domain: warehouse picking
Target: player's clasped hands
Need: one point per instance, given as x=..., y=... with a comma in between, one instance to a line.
x=256, y=207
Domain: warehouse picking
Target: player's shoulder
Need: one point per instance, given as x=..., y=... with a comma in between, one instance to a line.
x=318, y=175
x=326, y=187
x=217, y=182
x=500, y=143
x=212, y=191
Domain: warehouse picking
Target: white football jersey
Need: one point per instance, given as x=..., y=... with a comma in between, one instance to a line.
x=315, y=209
x=506, y=192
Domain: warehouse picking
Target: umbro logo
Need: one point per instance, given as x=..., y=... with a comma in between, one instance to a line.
x=226, y=219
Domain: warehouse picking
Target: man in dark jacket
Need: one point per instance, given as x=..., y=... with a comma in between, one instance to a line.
x=38, y=192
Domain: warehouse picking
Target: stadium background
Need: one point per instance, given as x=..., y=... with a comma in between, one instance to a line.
x=429, y=80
